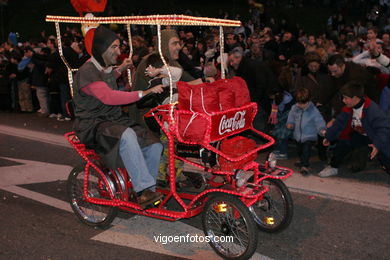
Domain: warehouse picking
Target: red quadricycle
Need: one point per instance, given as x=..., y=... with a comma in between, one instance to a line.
x=235, y=193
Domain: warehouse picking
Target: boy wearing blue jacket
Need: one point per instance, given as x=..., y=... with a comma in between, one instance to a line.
x=360, y=123
x=306, y=122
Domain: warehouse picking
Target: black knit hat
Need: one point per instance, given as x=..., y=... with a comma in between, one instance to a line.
x=102, y=39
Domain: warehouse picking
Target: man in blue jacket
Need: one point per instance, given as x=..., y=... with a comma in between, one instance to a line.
x=360, y=123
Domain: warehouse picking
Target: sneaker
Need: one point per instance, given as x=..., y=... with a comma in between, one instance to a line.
x=328, y=171
x=40, y=114
x=281, y=156
x=53, y=115
x=60, y=118
x=67, y=118
x=304, y=171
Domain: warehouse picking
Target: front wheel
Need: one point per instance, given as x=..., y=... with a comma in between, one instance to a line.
x=91, y=214
x=274, y=211
x=229, y=227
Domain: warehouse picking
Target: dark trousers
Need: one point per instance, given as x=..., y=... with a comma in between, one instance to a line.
x=304, y=152
x=385, y=161
x=55, y=103
x=282, y=145
x=343, y=147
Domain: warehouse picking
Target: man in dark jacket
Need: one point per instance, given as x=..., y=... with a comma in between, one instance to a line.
x=360, y=123
x=100, y=123
x=259, y=79
x=343, y=72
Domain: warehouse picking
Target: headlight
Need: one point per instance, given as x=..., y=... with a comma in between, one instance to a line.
x=272, y=160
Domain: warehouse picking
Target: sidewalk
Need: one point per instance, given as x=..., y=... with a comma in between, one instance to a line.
x=370, y=187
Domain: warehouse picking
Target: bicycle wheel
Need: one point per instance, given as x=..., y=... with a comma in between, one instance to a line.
x=275, y=211
x=91, y=214
x=229, y=227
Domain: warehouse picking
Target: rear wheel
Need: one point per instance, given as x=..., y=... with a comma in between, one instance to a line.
x=275, y=211
x=91, y=214
x=229, y=227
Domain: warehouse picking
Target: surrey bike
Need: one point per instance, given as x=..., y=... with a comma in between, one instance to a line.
x=233, y=191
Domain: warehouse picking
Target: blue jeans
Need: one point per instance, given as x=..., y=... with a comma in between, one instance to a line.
x=141, y=163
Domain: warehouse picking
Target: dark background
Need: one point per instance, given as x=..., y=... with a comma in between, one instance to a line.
x=27, y=17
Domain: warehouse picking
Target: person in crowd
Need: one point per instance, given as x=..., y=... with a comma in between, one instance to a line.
x=291, y=73
x=38, y=81
x=23, y=77
x=307, y=123
x=319, y=85
x=231, y=42
x=360, y=124
x=367, y=60
x=100, y=123
x=140, y=49
x=282, y=102
x=259, y=79
x=342, y=72
x=354, y=47
x=289, y=47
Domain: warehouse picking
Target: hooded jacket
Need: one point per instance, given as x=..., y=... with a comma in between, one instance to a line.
x=97, y=125
x=307, y=122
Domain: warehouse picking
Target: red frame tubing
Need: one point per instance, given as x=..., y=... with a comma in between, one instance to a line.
x=162, y=114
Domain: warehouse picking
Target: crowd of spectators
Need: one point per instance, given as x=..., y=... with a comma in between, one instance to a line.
x=276, y=60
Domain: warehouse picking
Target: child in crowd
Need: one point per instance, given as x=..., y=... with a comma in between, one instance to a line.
x=306, y=122
x=281, y=106
x=361, y=123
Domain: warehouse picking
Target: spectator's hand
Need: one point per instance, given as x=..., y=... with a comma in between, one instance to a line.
x=76, y=47
x=281, y=57
x=12, y=76
x=326, y=142
x=374, y=49
x=155, y=89
x=330, y=123
x=152, y=71
x=374, y=151
x=290, y=126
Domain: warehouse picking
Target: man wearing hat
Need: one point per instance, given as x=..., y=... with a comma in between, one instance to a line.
x=100, y=123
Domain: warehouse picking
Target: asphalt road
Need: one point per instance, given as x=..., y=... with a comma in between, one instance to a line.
x=36, y=222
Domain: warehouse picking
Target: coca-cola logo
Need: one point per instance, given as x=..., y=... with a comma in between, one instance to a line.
x=236, y=122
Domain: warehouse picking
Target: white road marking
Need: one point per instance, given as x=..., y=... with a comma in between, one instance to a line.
x=56, y=203
x=142, y=232
x=35, y=135
x=32, y=172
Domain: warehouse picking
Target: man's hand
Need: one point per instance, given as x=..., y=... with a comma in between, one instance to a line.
x=326, y=142
x=374, y=151
x=126, y=64
x=155, y=89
